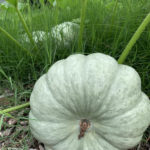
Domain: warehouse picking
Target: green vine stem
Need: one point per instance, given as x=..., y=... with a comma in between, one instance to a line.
x=83, y=11
x=14, y=108
x=14, y=40
x=113, y=14
x=134, y=38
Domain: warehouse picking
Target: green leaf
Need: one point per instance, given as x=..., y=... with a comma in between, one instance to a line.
x=3, y=73
x=13, y=2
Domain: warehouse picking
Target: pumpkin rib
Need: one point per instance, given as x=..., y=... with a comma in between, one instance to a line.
x=73, y=139
x=37, y=133
x=61, y=141
x=32, y=97
x=65, y=74
x=105, y=111
x=110, y=83
x=107, y=140
x=121, y=132
x=52, y=93
x=34, y=131
x=85, y=144
x=118, y=144
x=131, y=109
x=93, y=139
x=123, y=112
x=32, y=110
x=109, y=127
x=133, y=105
x=84, y=71
x=66, y=107
x=62, y=105
x=72, y=84
x=55, y=99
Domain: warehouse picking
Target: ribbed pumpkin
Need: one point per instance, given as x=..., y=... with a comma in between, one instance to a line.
x=65, y=34
x=89, y=103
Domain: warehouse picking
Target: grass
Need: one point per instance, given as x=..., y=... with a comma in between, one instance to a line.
x=109, y=27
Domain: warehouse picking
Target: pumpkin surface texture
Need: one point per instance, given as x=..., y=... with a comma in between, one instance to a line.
x=89, y=103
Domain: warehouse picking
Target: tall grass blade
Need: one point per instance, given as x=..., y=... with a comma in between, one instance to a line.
x=14, y=40
x=26, y=28
x=83, y=12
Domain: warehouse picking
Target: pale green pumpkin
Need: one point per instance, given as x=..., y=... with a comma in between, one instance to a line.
x=65, y=34
x=96, y=88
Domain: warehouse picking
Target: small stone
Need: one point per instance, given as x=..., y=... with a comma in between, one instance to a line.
x=12, y=121
x=24, y=123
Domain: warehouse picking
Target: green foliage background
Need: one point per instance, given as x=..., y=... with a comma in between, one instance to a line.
x=108, y=28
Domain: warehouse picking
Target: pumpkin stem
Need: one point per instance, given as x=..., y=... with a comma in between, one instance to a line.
x=84, y=125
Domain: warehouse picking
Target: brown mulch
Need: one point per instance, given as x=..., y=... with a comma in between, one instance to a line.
x=14, y=132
